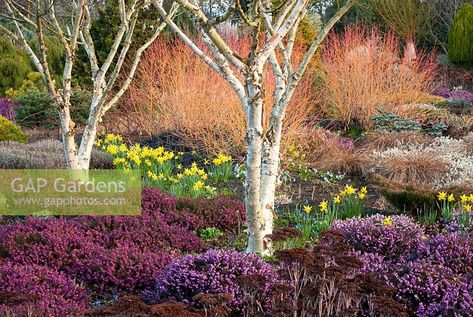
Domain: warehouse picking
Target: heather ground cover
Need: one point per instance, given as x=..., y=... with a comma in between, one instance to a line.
x=361, y=165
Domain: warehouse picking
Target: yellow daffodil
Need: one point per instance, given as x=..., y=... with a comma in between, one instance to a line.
x=387, y=221
x=468, y=208
x=148, y=162
x=337, y=199
x=364, y=190
x=323, y=206
x=442, y=196
x=464, y=198
x=206, y=162
x=471, y=198
x=221, y=159
x=118, y=161
x=198, y=185
x=451, y=198
x=291, y=148
x=350, y=190
x=98, y=142
x=179, y=166
x=361, y=196
x=122, y=147
x=112, y=149
x=113, y=138
x=307, y=209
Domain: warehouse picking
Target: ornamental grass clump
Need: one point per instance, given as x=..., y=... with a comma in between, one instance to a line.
x=442, y=164
x=214, y=272
x=45, y=154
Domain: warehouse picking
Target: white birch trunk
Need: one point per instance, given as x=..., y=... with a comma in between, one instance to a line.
x=254, y=140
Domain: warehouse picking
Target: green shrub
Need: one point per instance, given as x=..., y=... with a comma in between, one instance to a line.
x=32, y=82
x=11, y=132
x=14, y=66
x=55, y=56
x=36, y=109
x=460, y=38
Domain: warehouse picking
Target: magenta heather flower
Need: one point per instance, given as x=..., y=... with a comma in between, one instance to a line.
x=213, y=272
x=455, y=94
x=7, y=109
x=125, y=268
x=373, y=234
x=33, y=290
x=433, y=274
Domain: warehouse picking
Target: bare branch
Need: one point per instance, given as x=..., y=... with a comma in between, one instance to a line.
x=185, y=38
x=89, y=43
x=118, y=39
x=136, y=61
x=218, y=41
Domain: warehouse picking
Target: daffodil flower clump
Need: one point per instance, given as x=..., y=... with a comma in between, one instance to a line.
x=347, y=203
x=221, y=168
x=460, y=206
x=163, y=169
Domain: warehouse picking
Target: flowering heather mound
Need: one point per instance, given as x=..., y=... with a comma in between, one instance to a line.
x=372, y=235
x=459, y=94
x=214, y=272
x=433, y=274
x=7, y=109
x=221, y=212
x=32, y=290
x=116, y=254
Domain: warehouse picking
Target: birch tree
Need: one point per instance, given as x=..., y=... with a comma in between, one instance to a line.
x=72, y=26
x=272, y=29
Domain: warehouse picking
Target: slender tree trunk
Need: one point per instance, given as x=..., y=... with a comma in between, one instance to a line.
x=90, y=132
x=254, y=139
x=68, y=139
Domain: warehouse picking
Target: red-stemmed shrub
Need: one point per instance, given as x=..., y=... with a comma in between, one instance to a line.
x=364, y=70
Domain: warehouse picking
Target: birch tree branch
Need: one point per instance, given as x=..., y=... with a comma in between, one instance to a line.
x=118, y=39
x=212, y=33
x=136, y=61
x=89, y=43
x=185, y=38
